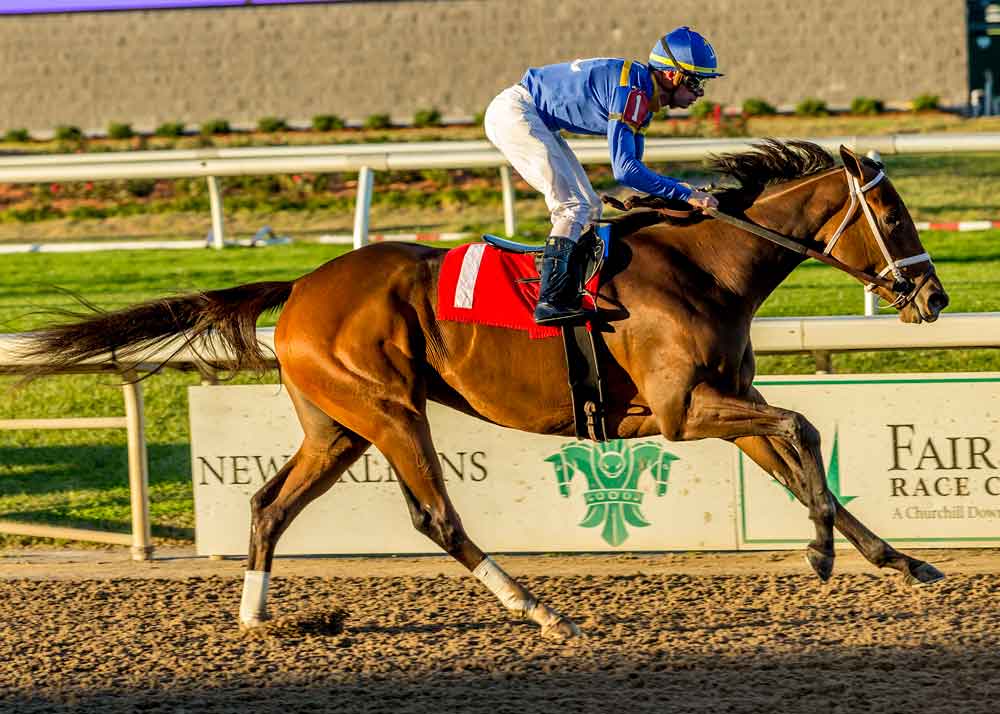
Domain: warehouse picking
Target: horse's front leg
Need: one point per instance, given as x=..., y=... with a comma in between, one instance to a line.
x=792, y=453
x=879, y=553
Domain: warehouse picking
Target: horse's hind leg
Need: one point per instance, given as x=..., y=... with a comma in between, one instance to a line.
x=327, y=450
x=406, y=442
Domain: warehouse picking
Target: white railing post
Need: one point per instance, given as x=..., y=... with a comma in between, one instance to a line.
x=509, y=219
x=363, y=205
x=871, y=304
x=138, y=468
x=215, y=201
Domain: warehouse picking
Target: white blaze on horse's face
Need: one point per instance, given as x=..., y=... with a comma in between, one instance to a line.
x=905, y=294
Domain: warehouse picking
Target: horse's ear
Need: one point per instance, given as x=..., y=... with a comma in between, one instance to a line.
x=851, y=162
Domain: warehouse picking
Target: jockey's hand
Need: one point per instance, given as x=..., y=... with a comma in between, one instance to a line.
x=702, y=200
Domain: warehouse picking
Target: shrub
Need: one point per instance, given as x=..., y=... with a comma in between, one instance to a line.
x=327, y=122
x=427, y=117
x=18, y=136
x=84, y=212
x=926, y=103
x=733, y=126
x=215, y=126
x=755, y=107
x=270, y=125
x=867, y=105
x=68, y=133
x=703, y=109
x=170, y=128
x=140, y=188
x=378, y=121
x=811, y=107
x=33, y=213
x=120, y=131
x=439, y=177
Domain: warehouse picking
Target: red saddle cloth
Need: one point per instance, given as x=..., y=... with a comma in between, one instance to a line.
x=482, y=284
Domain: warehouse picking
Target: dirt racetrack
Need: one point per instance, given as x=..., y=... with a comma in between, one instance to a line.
x=93, y=632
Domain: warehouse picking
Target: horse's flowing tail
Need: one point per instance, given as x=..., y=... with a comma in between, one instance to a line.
x=223, y=320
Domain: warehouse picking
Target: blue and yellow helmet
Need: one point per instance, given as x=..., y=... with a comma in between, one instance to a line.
x=686, y=50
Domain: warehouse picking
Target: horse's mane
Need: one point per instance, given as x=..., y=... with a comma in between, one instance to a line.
x=769, y=162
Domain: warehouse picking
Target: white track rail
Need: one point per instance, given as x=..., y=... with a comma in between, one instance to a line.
x=213, y=163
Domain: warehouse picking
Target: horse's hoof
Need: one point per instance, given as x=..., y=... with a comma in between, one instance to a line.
x=562, y=629
x=821, y=563
x=924, y=574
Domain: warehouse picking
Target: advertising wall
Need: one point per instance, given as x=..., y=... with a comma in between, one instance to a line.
x=915, y=457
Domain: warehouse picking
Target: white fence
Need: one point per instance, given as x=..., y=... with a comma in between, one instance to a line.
x=213, y=163
x=817, y=335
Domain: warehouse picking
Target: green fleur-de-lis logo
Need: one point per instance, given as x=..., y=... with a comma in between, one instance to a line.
x=612, y=470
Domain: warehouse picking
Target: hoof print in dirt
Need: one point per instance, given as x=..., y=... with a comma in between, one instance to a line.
x=316, y=622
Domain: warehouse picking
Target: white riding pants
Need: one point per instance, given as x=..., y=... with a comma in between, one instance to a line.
x=544, y=160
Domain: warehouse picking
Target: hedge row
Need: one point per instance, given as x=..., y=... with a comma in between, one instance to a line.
x=752, y=107
x=213, y=127
x=813, y=107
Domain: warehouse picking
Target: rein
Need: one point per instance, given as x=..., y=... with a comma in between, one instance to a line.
x=797, y=247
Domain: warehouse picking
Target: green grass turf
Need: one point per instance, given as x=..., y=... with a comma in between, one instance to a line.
x=79, y=478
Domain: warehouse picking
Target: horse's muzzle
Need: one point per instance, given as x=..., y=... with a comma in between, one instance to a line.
x=927, y=304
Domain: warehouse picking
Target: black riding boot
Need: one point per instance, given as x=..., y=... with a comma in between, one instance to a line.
x=559, y=294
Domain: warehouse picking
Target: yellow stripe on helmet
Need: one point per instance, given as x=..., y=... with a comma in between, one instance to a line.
x=683, y=65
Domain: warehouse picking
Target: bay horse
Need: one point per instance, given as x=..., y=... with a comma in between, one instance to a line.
x=361, y=352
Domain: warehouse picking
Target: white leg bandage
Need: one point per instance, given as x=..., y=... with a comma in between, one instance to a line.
x=513, y=596
x=253, y=606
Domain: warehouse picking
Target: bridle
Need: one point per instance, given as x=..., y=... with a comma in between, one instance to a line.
x=901, y=286
x=904, y=288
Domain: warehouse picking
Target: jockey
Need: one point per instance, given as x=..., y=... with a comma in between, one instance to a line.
x=604, y=95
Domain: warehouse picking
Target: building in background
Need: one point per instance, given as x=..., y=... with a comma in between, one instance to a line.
x=242, y=60
x=984, y=57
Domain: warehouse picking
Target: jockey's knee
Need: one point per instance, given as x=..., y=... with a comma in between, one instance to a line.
x=570, y=218
x=563, y=227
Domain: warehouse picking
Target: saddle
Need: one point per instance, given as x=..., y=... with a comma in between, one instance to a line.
x=590, y=252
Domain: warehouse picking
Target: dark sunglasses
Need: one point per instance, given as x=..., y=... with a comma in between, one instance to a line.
x=694, y=84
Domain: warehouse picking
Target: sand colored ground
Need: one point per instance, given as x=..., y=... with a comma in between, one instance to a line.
x=91, y=631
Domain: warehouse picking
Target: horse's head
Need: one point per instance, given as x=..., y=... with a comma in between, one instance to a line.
x=874, y=233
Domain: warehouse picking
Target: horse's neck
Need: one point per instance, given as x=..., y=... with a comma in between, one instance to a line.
x=799, y=208
x=796, y=209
